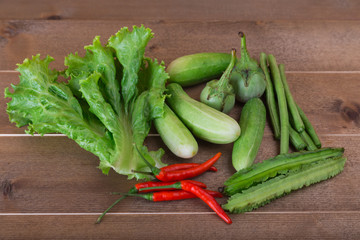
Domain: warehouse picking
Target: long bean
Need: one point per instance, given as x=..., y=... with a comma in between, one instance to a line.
x=298, y=123
x=296, y=139
x=309, y=142
x=270, y=97
x=283, y=111
x=309, y=128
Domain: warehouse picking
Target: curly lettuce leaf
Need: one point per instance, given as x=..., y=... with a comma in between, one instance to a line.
x=48, y=106
x=100, y=59
x=129, y=49
x=108, y=105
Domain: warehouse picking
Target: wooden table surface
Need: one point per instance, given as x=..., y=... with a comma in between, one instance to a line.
x=52, y=189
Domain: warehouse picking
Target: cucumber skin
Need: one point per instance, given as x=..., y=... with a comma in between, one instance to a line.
x=274, y=188
x=252, y=124
x=196, y=68
x=203, y=121
x=175, y=135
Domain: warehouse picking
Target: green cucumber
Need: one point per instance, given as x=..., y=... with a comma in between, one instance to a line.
x=263, y=193
x=274, y=166
x=175, y=135
x=203, y=121
x=252, y=124
x=197, y=68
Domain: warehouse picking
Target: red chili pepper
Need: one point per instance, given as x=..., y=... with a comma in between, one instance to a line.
x=166, y=176
x=139, y=188
x=173, y=195
x=203, y=195
x=181, y=166
x=187, y=173
x=149, y=184
x=207, y=198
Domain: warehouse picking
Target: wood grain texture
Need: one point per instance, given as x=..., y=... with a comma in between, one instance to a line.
x=50, y=188
x=334, y=109
x=54, y=175
x=201, y=10
x=300, y=45
x=186, y=226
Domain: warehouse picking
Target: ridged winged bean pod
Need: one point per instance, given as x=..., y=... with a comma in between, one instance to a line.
x=247, y=78
x=219, y=94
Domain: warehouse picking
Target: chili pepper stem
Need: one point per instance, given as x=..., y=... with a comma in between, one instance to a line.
x=107, y=210
x=176, y=185
x=153, y=169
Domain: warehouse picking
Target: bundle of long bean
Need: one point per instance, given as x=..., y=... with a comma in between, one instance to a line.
x=288, y=120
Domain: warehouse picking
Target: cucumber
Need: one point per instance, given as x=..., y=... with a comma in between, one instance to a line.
x=175, y=135
x=274, y=166
x=252, y=124
x=203, y=121
x=263, y=193
x=197, y=68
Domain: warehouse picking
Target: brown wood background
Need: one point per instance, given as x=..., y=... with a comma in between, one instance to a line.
x=51, y=188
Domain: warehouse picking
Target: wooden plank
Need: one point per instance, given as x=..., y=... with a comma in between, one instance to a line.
x=54, y=175
x=300, y=45
x=180, y=10
x=330, y=101
x=328, y=225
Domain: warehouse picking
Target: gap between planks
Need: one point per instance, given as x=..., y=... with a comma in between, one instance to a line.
x=291, y=72
x=157, y=135
x=176, y=213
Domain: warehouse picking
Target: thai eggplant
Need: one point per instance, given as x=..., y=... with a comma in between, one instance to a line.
x=247, y=78
x=219, y=94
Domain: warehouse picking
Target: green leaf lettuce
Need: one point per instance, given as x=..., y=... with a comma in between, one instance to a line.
x=107, y=106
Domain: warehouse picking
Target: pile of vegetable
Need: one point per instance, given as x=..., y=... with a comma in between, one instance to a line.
x=114, y=94
x=254, y=185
